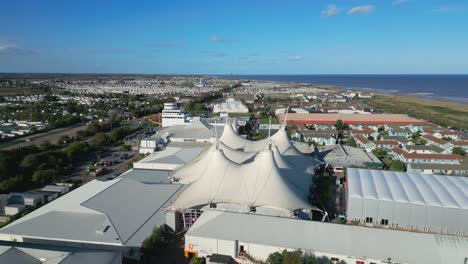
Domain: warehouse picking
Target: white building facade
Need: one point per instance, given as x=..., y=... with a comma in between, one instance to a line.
x=172, y=114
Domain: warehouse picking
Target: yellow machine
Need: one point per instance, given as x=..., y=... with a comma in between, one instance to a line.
x=152, y=118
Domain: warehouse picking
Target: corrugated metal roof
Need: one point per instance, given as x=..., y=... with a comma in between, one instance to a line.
x=441, y=191
x=347, y=240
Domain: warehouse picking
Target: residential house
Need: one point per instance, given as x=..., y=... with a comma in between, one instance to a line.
x=406, y=157
x=398, y=131
x=321, y=137
x=385, y=144
x=437, y=142
x=440, y=169
x=424, y=149
x=402, y=140
x=453, y=135
x=363, y=142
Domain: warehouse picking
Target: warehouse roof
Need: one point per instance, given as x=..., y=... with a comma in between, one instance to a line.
x=36, y=254
x=198, y=129
x=99, y=212
x=358, y=241
x=171, y=158
x=413, y=188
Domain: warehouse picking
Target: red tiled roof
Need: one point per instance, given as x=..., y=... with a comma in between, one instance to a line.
x=386, y=142
x=435, y=139
x=362, y=139
x=460, y=143
x=399, y=151
x=364, y=130
x=450, y=133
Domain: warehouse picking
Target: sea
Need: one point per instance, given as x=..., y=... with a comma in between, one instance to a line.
x=434, y=87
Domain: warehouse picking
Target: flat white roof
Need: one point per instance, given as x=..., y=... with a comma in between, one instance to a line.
x=170, y=158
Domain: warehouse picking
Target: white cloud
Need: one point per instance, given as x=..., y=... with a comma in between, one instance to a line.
x=215, y=53
x=331, y=10
x=8, y=47
x=295, y=58
x=399, y=2
x=449, y=8
x=365, y=9
x=216, y=38
x=4, y=48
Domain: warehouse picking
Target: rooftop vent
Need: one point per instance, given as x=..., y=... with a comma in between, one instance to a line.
x=101, y=230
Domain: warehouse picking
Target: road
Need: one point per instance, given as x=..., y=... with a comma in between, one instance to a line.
x=52, y=136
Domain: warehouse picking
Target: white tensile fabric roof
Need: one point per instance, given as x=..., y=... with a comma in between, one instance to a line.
x=258, y=183
x=413, y=188
x=272, y=173
x=231, y=139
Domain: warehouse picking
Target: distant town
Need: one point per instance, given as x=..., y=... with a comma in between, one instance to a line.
x=207, y=169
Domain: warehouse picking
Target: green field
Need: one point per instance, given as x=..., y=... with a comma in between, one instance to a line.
x=440, y=112
x=240, y=114
x=266, y=120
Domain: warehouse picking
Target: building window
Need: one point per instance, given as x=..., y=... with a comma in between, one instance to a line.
x=369, y=220
x=384, y=222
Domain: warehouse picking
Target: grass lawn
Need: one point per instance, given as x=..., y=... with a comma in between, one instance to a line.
x=266, y=120
x=440, y=112
x=240, y=114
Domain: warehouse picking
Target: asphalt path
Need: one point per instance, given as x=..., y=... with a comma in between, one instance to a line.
x=52, y=136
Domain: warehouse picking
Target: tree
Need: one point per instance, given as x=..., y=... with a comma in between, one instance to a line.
x=65, y=139
x=125, y=148
x=380, y=153
x=397, y=166
x=370, y=137
x=76, y=150
x=292, y=257
x=31, y=162
x=351, y=142
x=45, y=145
x=416, y=135
x=93, y=128
x=459, y=151
x=161, y=239
x=275, y=258
x=197, y=260
x=82, y=133
x=44, y=176
x=101, y=139
x=297, y=257
x=339, y=124
x=119, y=133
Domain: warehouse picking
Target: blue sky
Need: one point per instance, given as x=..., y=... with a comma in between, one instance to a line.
x=238, y=37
